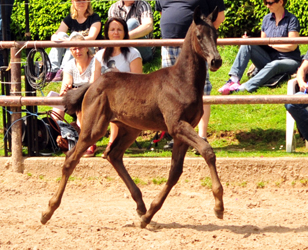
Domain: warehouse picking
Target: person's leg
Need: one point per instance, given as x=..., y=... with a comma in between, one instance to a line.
x=169, y=54
x=246, y=52
x=203, y=124
x=146, y=52
x=67, y=56
x=254, y=52
x=270, y=70
x=55, y=55
x=300, y=114
x=113, y=132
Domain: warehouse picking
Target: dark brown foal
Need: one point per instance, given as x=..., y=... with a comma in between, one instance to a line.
x=169, y=99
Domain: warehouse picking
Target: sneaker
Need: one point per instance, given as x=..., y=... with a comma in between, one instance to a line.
x=169, y=145
x=90, y=151
x=234, y=87
x=50, y=76
x=225, y=90
x=58, y=76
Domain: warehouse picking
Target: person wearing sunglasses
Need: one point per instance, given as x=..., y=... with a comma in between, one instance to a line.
x=272, y=59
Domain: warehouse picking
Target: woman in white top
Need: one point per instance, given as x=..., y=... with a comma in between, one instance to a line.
x=121, y=59
x=78, y=71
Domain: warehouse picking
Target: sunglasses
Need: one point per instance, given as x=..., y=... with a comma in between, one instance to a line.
x=271, y=3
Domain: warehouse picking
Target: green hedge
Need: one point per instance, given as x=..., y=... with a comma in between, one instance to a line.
x=247, y=15
x=241, y=15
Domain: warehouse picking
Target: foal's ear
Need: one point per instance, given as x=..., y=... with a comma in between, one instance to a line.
x=213, y=15
x=197, y=15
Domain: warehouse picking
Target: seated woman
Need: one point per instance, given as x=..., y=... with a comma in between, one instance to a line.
x=123, y=59
x=82, y=19
x=299, y=112
x=78, y=71
x=271, y=60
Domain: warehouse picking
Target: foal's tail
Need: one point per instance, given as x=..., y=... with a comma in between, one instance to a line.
x=73, y=99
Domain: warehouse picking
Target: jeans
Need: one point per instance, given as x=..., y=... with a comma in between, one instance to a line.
x=299, y=112
x=146, y=52
x=56, y=57
x=8, y=12
x=262, y=60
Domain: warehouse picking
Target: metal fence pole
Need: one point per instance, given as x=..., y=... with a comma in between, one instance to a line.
x=17, y=161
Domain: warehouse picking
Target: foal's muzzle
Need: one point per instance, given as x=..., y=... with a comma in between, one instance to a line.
x=215, y=64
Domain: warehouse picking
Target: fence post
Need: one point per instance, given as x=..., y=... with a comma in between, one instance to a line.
x=17, y=161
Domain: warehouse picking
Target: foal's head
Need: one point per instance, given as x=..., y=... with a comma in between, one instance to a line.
x=205, y=38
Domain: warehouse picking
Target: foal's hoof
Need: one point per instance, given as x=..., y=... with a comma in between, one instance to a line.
x=219, y=214
x=143, y=224
x=44, y=219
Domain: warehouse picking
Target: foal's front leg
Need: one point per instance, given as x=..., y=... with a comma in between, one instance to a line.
x=187, y=134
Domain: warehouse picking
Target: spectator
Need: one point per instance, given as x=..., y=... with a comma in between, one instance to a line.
x=123, y=59
x=176, y=17
x=81, y=19
x=78, y=71
x=6, y=20
x=270, y=60
x=299, y=111
x=139, y=18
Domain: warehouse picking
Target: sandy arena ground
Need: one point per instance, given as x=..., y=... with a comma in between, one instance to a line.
x=97, y=211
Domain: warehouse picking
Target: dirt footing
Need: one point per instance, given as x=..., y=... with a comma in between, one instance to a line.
x=229, y=169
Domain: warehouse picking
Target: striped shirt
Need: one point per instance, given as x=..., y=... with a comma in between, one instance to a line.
x=139, y=9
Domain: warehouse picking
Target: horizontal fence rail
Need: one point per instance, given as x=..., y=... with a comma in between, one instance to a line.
x=150, y=42
x=18, y=101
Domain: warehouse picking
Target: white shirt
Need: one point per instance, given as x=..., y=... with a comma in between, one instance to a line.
x=119, y=62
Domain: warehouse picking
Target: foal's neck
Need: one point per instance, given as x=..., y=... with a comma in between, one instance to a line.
x=189, y=61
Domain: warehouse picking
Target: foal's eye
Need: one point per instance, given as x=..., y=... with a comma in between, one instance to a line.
x=199, y=36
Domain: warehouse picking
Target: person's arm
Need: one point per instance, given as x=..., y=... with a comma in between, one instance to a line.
x=97, y=72
x=136, y=66
x=67, y=83
x=301, y=75
x=220, y=18
x=145, y=28
x=94, y=31
x=286, y=47
x=63, y=28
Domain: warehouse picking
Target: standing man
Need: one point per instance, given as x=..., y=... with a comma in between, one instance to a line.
x=138, y=15
x=176, y=18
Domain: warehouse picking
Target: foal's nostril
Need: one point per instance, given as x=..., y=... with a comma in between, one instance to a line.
x=216, y=62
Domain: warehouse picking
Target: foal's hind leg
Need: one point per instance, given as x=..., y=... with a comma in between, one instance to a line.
x=178, y=155
x=88, y=136
x=126, y=136
x=187, y=134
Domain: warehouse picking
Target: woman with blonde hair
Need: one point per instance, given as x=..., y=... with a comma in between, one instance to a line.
x=82, y=19
x=78, y=71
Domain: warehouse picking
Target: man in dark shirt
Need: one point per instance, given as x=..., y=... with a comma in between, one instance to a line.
x=176, y=17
